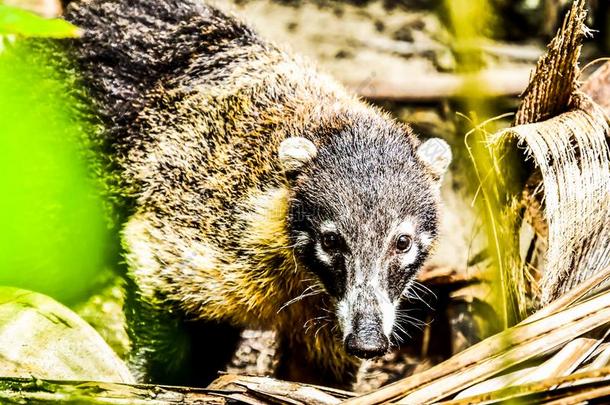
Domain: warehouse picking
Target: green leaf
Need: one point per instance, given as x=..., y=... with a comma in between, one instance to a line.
x=53, y=233
x=20, y=22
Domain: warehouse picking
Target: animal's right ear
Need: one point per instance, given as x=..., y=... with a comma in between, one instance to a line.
x=294, y=153
x=436, y=154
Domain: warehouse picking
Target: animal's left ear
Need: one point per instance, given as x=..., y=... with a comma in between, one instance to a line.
x=436, y=155
x=294, y=153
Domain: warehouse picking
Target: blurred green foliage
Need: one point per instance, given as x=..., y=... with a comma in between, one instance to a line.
x=53, y=236
x=25, y=23
x=471, y=25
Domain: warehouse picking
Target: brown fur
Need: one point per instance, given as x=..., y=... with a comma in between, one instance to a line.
x=193, y=107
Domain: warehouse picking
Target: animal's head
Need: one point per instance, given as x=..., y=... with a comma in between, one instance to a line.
x=364, y=217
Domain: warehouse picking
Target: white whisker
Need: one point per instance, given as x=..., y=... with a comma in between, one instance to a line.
x=308, y=292
x=423, y=288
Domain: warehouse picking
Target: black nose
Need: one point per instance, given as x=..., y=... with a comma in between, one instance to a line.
x=367, y=344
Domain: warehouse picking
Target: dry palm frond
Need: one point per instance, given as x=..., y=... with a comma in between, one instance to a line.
x=564, y=133
x=571, y=153
x=554, y=80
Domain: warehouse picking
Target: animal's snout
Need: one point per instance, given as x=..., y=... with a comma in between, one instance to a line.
x=367, y=340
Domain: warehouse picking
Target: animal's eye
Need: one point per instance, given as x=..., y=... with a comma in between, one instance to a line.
x=404, y=243
x=330, y=240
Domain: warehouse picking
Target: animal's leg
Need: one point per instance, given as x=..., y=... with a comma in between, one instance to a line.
x=167, y=349
x=175, y=307
x=159, y=344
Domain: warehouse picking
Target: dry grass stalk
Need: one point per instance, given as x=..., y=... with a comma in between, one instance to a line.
x=562, y=363
x=581, y=382
x=601, y=358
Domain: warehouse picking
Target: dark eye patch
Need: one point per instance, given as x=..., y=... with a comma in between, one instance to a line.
x=330, y=241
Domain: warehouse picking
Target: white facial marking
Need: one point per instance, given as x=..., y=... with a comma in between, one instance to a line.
x=321, y=255
x=371, y=279
x=347, y=306
x=405, y=291
x=406, y=227
x=343, y=312
x=425, y=238
x=409, y=257
x=359, y=272
x=388, y=311
x=328, y=226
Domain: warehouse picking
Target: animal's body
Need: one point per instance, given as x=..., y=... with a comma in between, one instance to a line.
x=255, y=191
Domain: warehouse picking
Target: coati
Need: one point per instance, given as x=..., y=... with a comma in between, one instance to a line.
x=254, y=191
